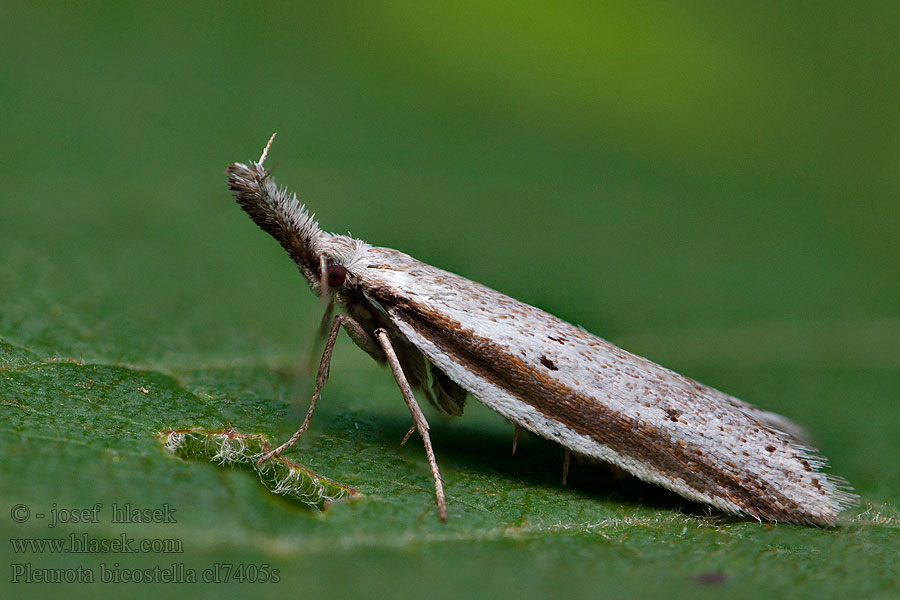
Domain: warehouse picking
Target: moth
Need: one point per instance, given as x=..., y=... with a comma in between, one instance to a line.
x=450, y=337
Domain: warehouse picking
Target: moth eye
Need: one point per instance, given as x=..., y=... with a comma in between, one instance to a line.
x=336, y=275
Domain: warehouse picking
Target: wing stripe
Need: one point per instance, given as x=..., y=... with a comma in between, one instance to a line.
x=589, y=417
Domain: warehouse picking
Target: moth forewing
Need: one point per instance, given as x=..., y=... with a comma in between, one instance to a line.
x=554, y=379
x=600, y=401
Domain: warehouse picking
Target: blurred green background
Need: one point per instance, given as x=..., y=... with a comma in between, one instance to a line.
x=715, y=187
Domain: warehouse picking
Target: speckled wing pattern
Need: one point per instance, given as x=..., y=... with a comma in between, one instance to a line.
x=552, y=378
x=567, y=385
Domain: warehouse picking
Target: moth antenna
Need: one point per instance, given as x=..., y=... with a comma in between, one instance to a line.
x=566, y=458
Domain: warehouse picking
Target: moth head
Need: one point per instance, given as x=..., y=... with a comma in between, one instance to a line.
x=340, y=257
x=325, y=260
x=335, y=275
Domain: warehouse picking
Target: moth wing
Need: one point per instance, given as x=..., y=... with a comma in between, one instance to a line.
x=568, y=385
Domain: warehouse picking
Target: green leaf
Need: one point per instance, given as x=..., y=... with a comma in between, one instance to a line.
x=712, y=187
x=227, y=447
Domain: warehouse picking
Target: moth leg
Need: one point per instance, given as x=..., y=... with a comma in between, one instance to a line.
x=355, y=331
x=566, y=458
x=409, y=433
x=516, y=438
x=418, y=418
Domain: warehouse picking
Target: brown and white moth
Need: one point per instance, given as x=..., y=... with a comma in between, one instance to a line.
x=450, y=337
